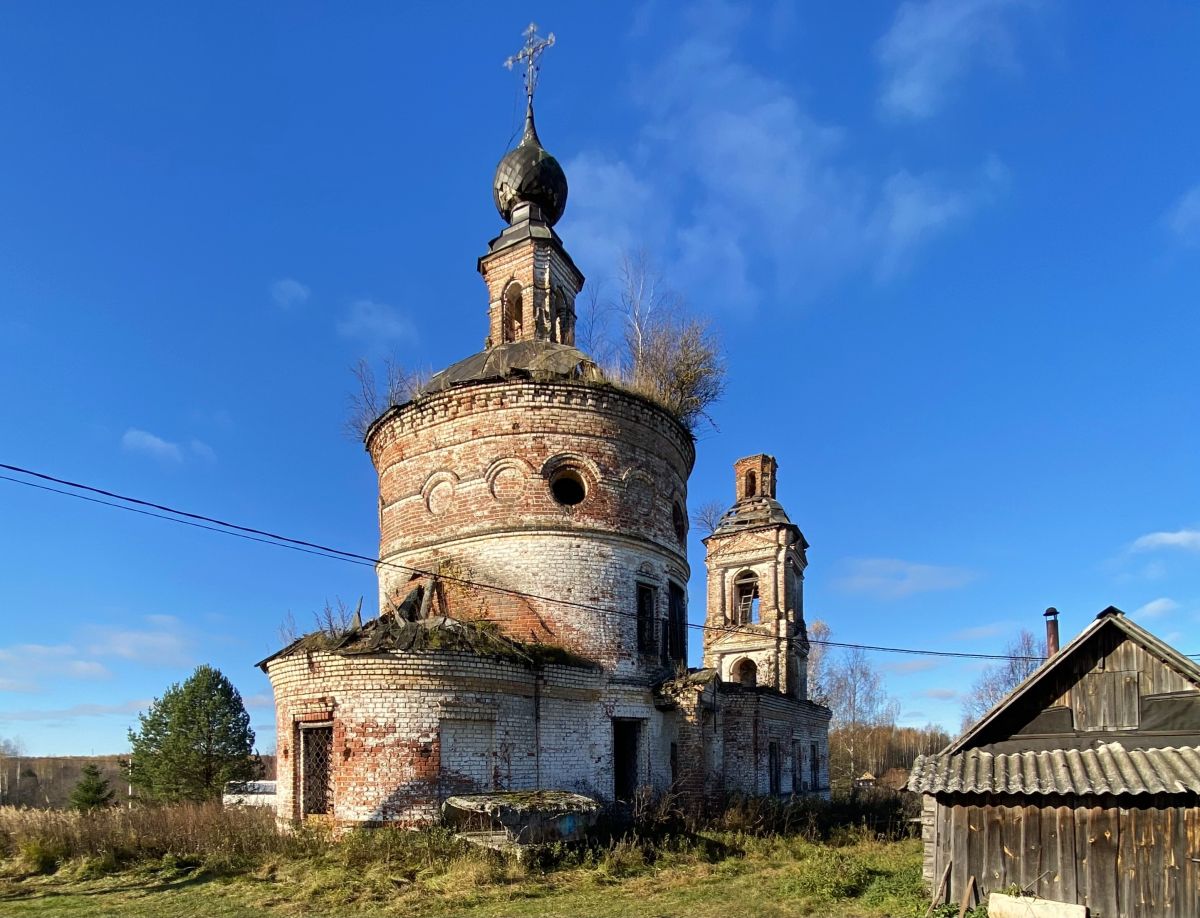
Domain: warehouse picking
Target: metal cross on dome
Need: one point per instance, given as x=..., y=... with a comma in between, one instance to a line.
x=534, y=48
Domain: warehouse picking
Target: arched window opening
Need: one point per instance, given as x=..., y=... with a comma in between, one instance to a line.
x=745, y=598
x=513, y=313
x=679, y=522
x=558, y=318
x=744, y=672
x=751, y=484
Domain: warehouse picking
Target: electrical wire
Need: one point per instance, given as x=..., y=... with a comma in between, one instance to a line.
x=265, y=537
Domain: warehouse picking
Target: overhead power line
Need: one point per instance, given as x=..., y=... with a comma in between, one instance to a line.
x=170, y=514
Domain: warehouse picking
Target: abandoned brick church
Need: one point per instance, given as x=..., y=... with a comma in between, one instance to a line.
x=533, y=576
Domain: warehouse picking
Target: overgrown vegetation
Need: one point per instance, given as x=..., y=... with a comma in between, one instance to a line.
x=373, y=395
x=750, y=857
x=645, y=339
x=657, y=348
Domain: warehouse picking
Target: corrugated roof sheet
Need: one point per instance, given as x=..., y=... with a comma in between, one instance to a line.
x=1107, y=769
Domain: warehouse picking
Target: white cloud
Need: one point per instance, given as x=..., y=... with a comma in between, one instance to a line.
x=1156, y=608
x=891, y=578
x=162, y=643
x=941, y=694
x=915, y=208
x=289, y=292
x=909, y=666
x=26, y=666
x=261, y=700
x=202, y=450
x=1183, y=219
x=75, y=712
x=375, y=322
x=146, y=443
x=1185, y=539
x=977, y=632
x=932, y=45
x=733, y=184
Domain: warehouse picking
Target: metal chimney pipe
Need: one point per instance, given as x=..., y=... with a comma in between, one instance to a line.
x=1051, y=631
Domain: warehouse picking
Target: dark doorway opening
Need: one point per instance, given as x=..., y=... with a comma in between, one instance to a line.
x=774, y=770
x=625, y=758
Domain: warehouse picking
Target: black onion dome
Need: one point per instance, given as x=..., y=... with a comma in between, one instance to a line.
x=528, y=174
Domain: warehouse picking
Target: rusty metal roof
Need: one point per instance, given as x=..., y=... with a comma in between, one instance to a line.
x=1107, y=769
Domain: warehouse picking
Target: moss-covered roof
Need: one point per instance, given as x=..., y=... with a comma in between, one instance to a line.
x=391, y=633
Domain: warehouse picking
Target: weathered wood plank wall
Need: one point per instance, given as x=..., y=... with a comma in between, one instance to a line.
x=1121, y=862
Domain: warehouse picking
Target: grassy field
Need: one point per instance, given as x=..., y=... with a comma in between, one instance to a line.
x=232, y=864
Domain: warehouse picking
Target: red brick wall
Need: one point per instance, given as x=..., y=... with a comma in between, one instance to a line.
x=464, y=479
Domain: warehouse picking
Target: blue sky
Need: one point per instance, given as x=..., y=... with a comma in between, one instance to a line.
x=952, y=248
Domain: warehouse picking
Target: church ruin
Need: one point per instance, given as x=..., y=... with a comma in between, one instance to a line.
x=533, y=576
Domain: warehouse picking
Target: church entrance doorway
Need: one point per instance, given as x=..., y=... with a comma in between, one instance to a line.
x=625, y=758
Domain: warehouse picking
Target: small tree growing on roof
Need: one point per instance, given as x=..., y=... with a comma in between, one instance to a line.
x=193, y=740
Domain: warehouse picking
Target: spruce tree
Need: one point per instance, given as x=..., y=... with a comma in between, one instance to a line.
x=193, y=740
x=92, y=791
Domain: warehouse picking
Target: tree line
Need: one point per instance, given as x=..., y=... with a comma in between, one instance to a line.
x=863, y=734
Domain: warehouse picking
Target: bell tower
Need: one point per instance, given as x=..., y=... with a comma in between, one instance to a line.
x=755, y=613
x=532, y=281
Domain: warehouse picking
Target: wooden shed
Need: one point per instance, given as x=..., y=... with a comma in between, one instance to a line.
x=1082, y=785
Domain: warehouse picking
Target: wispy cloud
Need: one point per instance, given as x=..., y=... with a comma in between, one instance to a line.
x=916, y=208
x=978, y=632
x=147, y=444
x=27, y=666
x=909, y=666
x=748, y=192
x=261, y=700
x=75, y=712
x=941, y=694
x=1183, y=219
x=932, y=46
x=1183, y=539
x=288, y=292
x=162, y=642
x=202, y=450
x=375, y=322
x=1156, y=608
x=891, y=578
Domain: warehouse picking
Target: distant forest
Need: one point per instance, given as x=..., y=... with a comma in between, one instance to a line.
x=47, y=781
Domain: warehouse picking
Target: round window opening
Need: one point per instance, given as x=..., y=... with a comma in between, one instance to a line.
x=567, y=487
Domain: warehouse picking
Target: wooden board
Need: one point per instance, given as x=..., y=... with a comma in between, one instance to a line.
x=1103, y=842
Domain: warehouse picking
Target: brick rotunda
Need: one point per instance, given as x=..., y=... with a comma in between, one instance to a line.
x=533, y=574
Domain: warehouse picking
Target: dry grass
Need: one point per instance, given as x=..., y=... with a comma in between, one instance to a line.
x=234, y=863
x=120, y=834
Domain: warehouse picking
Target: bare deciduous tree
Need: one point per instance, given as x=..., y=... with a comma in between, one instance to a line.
x=334, y=620
x=864, y=715
x=1026, y=654
x=671, y=358
x=818, y=678
x=372, y=396
x=708, y=515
